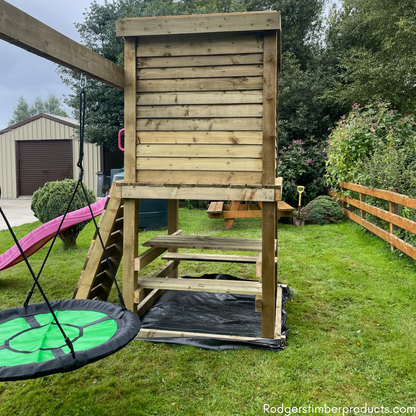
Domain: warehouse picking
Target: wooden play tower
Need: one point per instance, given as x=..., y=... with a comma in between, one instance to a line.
x=200, y=123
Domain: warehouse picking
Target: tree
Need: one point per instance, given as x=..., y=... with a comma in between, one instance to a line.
x=20, y=112
x=301, y=48
x=374, y=41
x=23, y=111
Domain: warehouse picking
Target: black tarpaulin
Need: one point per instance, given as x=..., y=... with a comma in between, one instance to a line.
x=212, y=313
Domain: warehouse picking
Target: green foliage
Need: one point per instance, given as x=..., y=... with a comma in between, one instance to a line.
x=302, y=167
x=23, y=111
x=374, y=146
x=373, y=41
x=51, y=201
x=194, y=204
x=322, y=210
x=304, y=114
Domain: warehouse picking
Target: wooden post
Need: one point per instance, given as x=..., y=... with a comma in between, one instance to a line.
x=362, y=199
x=230, y=221
x=173, y=226
x=131, y=206
x=394, y=209
x=269, y=175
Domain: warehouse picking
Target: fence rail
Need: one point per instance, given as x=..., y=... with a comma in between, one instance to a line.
x=392, y=216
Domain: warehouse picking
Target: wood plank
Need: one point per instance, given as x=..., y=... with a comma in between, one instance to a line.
x=278, y=320
x=259, y=263
x=198, y=193
x=379, y=193
x=201, y=84
x=147, y=257
x=202, y=285
x=200, y=97
x=215, y=207
x=214, y=44
x=166, y=269
x=202, y=111
x=212, y=207
x=194, y=24
x=205, y=243
x=385, y=235
x=177, y=163
x=200, y=124
x=269, y=107
x=230, y=221
x=173, y=226
x=130, y=115
x=394, y=209
x=148, y=301
x=237, y=214
x=96, y=256
x=200, y=137
x=199, y=150
x=212, y=71
x=130, y=250
x=146, y=333
x=268, y=271
x=220, y=258
x=395, y=219
x=28, y=33
x=201, y=177
x=200, y=61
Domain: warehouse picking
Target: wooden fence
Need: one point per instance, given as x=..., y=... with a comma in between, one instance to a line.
x=392, y=216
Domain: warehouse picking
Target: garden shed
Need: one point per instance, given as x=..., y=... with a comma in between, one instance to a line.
x=41, y=149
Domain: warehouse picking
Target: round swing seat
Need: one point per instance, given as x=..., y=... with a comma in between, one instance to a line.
x=31, y=344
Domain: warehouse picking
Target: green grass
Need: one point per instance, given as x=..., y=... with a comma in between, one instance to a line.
x=352, y=338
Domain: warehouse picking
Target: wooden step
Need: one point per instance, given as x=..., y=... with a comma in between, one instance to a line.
x=202, y=285
x=96, y=279
x=222, y=258
x=205, y=243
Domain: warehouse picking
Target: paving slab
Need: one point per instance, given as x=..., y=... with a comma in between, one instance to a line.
x=17, y=211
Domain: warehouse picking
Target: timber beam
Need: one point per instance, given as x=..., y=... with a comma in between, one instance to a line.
x=181, y=191
x=24, y=31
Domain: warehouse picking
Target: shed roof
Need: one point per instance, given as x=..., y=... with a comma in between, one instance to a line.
x=59, y=119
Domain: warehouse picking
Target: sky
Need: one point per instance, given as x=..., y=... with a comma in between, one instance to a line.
x=23, y=73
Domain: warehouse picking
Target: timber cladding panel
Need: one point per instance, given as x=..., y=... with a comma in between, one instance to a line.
x=200, y=98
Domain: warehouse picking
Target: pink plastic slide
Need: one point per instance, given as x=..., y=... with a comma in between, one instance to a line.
x=39, y=237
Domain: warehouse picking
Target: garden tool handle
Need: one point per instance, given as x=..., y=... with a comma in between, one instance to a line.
x=300, y=190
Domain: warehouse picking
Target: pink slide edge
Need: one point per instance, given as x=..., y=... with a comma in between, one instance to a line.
x=41, y=235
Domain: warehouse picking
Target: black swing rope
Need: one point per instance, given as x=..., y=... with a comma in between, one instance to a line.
x=81, y=174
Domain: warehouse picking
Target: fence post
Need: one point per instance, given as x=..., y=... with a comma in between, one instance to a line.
x=394, y=209
x=362, y=199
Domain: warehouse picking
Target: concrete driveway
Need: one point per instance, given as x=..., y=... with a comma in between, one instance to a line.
x=17, y=211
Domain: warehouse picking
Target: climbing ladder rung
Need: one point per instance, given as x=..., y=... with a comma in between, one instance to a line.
x=96, y=278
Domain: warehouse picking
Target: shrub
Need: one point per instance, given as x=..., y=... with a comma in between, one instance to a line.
x=51, y=201
x=322, y=210
x=374, y=146
x=305, y=167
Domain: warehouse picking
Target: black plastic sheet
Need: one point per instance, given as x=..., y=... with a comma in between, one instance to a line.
x=212, y=313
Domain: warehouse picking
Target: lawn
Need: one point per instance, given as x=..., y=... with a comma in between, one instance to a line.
x=352, y=337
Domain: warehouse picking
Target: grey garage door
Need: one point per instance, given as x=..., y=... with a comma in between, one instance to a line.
x=41, y=161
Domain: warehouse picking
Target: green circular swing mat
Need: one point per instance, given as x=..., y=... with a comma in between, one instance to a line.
x=31, y=344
